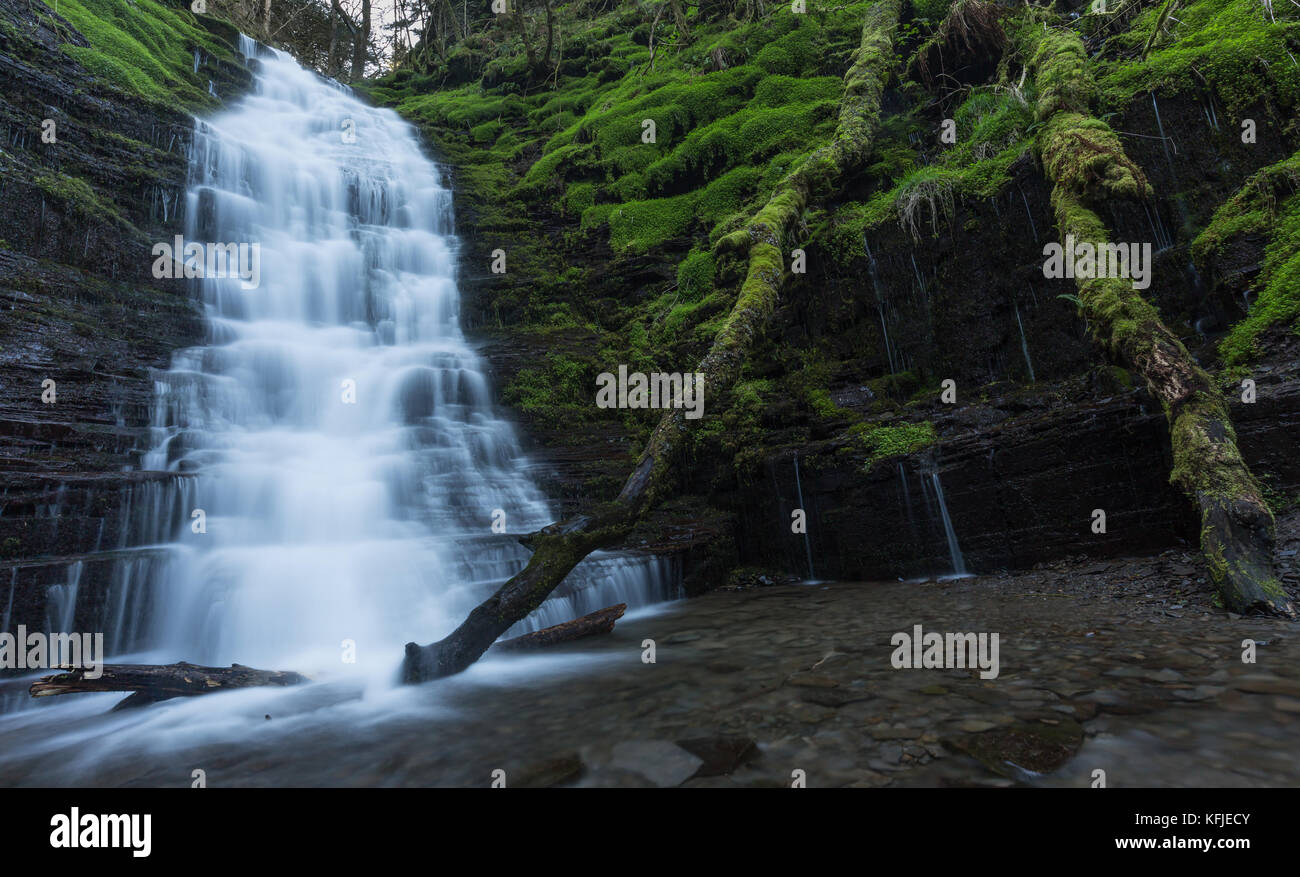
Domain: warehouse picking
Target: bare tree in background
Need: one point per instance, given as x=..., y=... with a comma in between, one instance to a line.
x=361, y=42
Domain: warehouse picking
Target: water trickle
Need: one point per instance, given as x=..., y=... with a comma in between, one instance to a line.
x=934, y=488
x=907, y=502
x=1179, y=202
x=880, y=303
x=807, y=545
x=61, y=601
x=916, y=272
x=1029, y=213
x=1024, y=344
x=1161, y=236
x=954, y=550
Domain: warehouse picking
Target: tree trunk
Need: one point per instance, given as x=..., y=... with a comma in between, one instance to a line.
x=598, y=622
x=332, y=60
x=679, y=18
x=361, y=44
x=1085, y=164
x=550, y=35
x=557, y=549
x=266, y=17
x=455, y=25
x=162, y=682
x=522, y=27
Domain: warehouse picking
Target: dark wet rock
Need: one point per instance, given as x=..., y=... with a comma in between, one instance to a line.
x=1035, y=747
x=720, y=754
x=661, y=762
x=546, y=773
x=834, y=697
x=811, y=680
x=1268, y=685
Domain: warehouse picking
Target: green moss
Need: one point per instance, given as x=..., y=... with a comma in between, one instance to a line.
x=578, y=197
x=143, y=47
x=75, y=192
x=1277, y=301
x=1233, y=45
x=931, y=10
x=882, y=441
x=561, y=392
x=695, y=275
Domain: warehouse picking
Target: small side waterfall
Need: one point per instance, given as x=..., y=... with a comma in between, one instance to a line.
x=932, y=487
x=954, y=550
x=807, y=545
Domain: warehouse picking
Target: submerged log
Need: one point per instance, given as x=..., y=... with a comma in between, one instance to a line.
x=152, y=682
x=592, y=624
x=557, y=549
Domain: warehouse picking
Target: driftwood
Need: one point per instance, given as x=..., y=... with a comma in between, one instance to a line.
x=153, y=682
x=558, y=548
x=598, y=622
x=150, y=683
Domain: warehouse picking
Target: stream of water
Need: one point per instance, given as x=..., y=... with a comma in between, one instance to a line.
x=338, y=462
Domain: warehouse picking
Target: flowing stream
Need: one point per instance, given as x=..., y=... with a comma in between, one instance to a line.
x=338, y=465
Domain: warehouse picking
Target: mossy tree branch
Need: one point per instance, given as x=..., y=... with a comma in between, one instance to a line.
x=558, y=548
x=1086, y=164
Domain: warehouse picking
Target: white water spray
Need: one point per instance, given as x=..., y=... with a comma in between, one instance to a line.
x=345, y=453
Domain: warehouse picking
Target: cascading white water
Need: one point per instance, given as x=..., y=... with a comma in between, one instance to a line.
x=337, y=430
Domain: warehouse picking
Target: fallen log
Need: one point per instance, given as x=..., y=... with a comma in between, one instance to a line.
x=598, y=622
x=152, y=682
x=1086, y=165
x=558, y=548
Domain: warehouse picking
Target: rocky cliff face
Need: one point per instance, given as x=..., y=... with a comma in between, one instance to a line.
x=1042, y=433
x=91, y=174
x=920, y=270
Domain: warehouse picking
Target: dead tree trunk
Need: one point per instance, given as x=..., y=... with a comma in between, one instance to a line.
x=557, y=549
x=361, y=43
x=593, y=624
x=1085, y=163
x=162, y=682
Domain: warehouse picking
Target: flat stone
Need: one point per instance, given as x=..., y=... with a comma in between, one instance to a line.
x=1267, y=685
x=663, y=763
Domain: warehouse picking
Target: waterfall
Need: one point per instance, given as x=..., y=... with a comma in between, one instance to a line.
x=807, y=545
x=954, y=550
x=933, y=490
x=338, y=471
